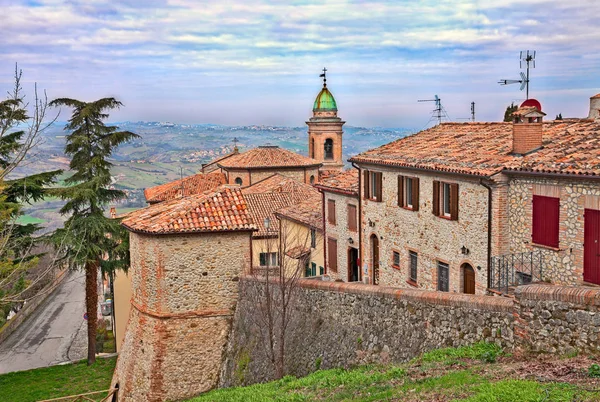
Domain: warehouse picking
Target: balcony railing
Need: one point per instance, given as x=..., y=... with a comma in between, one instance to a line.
x=511, y=270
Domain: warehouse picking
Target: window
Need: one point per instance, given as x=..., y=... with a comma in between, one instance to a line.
x=313, y=238
x=312, y=179
x=373, y=182
x=545, y=225
x=268, y=259
x=443, y=277
x=307, y=272
x=445, y=200
x=412, y=262
x=352, y=226
x=396, y=259
x=408, y=192
x=238, y=181
x=313, y=269
x=331, y=211
x=328, y=148
x=321, y=270
x=332, y=254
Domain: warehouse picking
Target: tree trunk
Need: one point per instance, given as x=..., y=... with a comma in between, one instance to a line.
x=91, y=304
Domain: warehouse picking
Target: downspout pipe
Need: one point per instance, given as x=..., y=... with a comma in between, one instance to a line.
x=489, y=239
x=360, y=248
x=325, y=261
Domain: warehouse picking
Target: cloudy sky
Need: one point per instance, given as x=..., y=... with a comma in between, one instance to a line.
x=258, y=62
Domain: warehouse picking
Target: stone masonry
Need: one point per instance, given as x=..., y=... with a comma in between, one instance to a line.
x=185, y=288
x=250, y=177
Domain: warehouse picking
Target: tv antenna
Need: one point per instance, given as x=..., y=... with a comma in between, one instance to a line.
x=472, y=118
x=527, y=58
x=439, y=112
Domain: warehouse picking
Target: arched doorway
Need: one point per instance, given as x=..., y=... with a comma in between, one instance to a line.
x=238, y=181
x=468, y=279
x=375, y=258
x=328, y=148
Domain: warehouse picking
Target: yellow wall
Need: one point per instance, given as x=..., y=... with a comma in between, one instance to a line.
x=122, y=303
x=296, y=234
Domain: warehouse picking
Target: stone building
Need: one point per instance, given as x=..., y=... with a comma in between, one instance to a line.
x=341, y=208
x=187, y=256
x=472, y=207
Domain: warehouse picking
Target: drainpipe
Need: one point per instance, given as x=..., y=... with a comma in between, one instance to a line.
x=489, y=245
x=325, y=262
x=360, y=248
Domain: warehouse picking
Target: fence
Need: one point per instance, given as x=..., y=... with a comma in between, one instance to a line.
x=110, y=395
x=510, y=270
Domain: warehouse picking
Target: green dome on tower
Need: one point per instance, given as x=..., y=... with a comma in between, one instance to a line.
x=325, y=101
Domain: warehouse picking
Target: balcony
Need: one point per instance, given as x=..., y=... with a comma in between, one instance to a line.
x=511, y=270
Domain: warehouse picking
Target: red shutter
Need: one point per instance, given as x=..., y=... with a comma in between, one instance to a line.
x=379, y=184
x=400, y=191
x=352, y=218
x=454, y=201
x=332, y=254
x=545, y=225
x=415, y=194
x=366, y=175
x=331, y=211
x=436, y=198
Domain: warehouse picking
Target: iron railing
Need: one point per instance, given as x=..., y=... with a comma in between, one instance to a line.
x=510, y=270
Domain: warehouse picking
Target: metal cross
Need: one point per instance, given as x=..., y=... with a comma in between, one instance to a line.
x=324, y=75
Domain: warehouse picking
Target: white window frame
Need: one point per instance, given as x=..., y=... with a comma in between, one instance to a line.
x=373, y=185
x=408, y=183
x=445, y=199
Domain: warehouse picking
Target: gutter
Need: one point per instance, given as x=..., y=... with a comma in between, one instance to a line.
x=550, y=174
x=421, y=169
x=360, y=234
x=489, y=239
x=325, y=261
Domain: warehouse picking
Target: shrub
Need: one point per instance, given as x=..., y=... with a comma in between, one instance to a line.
x=594, y=371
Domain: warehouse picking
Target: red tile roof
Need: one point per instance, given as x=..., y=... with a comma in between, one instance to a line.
x=212, y=165
x=345, y=182
x=194, y=184
x=267, y=157
x=308, y=212
x=264, y=205
x=282, y=184
x=483, y=149
x=222, y=210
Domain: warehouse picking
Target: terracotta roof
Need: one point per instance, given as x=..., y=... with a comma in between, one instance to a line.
x=221, y=210
x=267, y=157
x=278, y=183
x=597, y=96
x=527, y=110
x=297, y=252
x=212, y=165
x=345, y=182
x=308, y=212
x=483, y=149
x=264, y=205
x=194, y=184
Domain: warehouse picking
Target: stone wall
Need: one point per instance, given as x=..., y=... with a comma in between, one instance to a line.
x=340, y=231
x=185, y=289
x=337, y=324
x=433, y=238
x=250, y=177
x=563, y=265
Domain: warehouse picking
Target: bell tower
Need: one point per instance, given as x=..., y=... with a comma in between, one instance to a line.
x=325, y=130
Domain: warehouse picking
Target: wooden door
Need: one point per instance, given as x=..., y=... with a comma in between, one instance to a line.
x=353, y=269
x=375, y=258
x=468, y=279
x=591, y=246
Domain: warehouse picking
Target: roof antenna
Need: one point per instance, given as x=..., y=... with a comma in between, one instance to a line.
x=439, y=112
x=324, y=75
x=527, y=57
x=472, y=118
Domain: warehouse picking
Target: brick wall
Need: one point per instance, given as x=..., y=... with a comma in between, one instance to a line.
x=526, y=137
x=432, y=237
x=185, y=288
x=250, y=177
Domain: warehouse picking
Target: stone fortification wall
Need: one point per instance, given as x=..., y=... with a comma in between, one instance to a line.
x=185, y=288
x=338, y=324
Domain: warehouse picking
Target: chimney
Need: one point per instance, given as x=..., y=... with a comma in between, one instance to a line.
x=527, y=127
x=113, y=212
x=594, y=107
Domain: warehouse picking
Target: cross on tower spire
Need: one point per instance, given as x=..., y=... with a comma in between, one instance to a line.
x=235, y=141
x=324, y=75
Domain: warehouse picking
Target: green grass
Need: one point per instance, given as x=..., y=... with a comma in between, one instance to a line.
x=56, y=381
x=426, y=378
x=27, y=219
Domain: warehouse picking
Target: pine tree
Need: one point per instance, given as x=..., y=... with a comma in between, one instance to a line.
x=509, y=111
x=90, y=240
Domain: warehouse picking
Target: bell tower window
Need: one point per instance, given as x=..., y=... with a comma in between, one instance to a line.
x=328, y=148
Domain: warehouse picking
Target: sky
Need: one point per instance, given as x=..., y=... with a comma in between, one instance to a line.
x=258, y=62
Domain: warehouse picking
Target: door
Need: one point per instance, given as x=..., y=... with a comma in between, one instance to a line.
x=375, y=258
x=468, y=279
x=591, y=246
x=353, y=269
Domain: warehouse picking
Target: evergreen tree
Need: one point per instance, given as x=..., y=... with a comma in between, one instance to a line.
x=509, y=111
x=90, y=240
x=559, y=116
x=19, y=132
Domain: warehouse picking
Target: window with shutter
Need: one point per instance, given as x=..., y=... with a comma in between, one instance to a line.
x=443, y=277
x=379, y=186
x=366, y=184
x=396, y=259
x=352, y=218
x=332, y=254
x=436, y=198
x=313, y=238
x=408, y=192
x=545, y=225
x=401, y=191
x=445, y=200
x=415, y=194
x=331, y=211
x=412, y=257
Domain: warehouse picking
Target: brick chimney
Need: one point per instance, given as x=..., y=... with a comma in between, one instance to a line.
x=527, y=129
x=594, y=107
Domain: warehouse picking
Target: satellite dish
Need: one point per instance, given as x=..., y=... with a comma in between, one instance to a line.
x=532, y=103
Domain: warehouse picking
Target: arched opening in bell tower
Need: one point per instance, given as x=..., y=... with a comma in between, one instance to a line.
x=328, y=148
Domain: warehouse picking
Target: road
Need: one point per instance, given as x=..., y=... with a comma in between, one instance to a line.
x=54, y=333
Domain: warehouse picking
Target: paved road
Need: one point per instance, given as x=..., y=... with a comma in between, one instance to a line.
x=54, y=333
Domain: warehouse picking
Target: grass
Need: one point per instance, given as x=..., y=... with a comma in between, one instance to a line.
x=451, y=374
x=27, y=219
x=56, y=381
